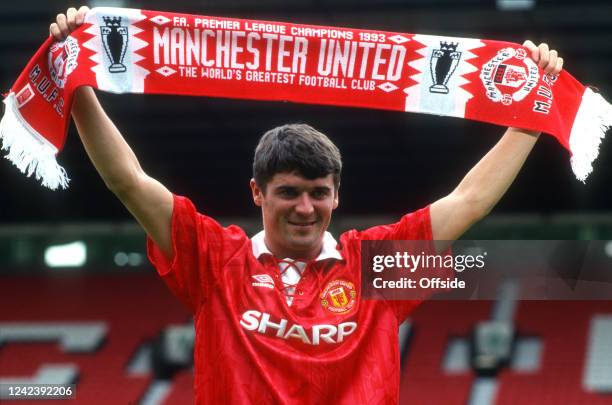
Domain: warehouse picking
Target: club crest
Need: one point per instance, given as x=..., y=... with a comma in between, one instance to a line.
x=338, y=296
x=510, y=76
x=62, y=60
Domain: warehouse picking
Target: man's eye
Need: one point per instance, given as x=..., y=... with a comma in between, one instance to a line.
x=319, y=194
x=287, y=192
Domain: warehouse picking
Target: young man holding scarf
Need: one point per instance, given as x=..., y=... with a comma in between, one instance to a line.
x=278, y=317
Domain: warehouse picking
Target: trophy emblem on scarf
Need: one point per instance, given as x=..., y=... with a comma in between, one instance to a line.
x=114, y=39
x=442, y=65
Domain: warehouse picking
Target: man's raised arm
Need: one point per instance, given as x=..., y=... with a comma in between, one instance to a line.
x=147, y=199
x=488, y=181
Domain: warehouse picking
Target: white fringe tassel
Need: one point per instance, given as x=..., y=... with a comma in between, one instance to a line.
x=592, y=121
x=28, y=150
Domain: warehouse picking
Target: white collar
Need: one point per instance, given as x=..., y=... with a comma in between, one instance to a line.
x=328, y=251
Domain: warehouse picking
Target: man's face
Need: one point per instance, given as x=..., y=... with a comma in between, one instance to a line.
x=296, y=213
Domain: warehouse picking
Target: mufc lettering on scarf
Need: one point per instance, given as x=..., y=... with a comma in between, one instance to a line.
x=139, y=51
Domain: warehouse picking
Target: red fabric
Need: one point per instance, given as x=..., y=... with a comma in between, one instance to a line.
x=238, y=362
x=172, y=53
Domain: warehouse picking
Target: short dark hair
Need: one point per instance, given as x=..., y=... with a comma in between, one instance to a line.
x=296, y=148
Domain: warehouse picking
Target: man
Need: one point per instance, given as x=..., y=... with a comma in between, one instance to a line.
x=278, y=317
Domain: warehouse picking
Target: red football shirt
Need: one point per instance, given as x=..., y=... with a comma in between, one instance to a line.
x=252, y=347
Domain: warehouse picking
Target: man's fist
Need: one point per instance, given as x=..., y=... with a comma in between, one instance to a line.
x=547, y=59
x=66, y=23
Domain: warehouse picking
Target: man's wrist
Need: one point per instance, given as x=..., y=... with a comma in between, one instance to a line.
x=526, y=131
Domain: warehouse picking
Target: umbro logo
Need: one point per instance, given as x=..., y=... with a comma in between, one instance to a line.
x=263, y=280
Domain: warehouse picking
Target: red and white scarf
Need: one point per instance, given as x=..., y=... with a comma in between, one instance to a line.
x=140, y=51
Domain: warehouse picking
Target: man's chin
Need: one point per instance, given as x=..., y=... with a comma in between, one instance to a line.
x=299, y=231
x=305, y=242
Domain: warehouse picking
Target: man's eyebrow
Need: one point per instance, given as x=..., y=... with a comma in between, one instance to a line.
x=322, y=188
x=285, y=188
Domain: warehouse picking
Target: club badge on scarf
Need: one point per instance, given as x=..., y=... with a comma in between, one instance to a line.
x=138, y=51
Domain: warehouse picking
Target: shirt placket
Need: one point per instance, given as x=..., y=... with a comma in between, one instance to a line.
x=291, y=272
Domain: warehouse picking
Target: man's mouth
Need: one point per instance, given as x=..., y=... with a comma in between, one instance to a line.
x=302, y=223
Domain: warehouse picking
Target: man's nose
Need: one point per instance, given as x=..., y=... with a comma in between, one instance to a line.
x=304, y=205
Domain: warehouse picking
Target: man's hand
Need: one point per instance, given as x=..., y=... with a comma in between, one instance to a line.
x=547, y=59
x=66, y=23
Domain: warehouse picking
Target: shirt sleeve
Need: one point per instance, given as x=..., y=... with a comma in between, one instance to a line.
x=200, y=248
x=413, y=226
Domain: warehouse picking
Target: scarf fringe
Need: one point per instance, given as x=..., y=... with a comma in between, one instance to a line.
x=593, y=119
x=29, y=151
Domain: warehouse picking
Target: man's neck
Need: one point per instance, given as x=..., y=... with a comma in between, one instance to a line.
x=305, y=255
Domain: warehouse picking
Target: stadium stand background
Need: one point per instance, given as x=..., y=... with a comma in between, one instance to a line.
x=111, y=325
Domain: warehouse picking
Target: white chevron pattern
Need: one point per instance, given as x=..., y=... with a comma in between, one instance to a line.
x=420, y=99
x=133, y=79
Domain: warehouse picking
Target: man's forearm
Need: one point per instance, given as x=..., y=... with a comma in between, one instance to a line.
x=108, y=151
x=482, y=187
x=489, y=180
x=148, y=200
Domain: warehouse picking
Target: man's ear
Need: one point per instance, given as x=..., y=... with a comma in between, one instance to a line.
x=257, y=193
x=336, y=197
